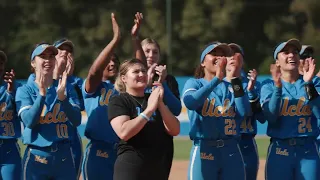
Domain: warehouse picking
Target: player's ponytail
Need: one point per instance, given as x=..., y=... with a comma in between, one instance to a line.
x=199, y=72
x=124, y=67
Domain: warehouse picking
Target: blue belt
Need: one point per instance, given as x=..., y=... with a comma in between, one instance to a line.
x=10, y=140
x=298, y=141
x=219, y=143
x=53, y=148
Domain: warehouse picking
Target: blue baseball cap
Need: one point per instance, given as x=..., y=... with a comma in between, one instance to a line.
x=3, y=56
x=236, y=46
x=281, y=46
x=227, y=50
x=41, y=48
x=63, y=41
x=306, y=47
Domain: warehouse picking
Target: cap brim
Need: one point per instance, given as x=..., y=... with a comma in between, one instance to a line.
x=293, y=42
x=226, y=49
x=306, y=47
x=67, y=42
x=3, y=56
x=50, y=48
x=236, y=46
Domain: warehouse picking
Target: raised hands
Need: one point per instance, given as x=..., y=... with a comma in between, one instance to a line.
x=276, y=75
x=162, y=72
x=137, y=23
x=220, y=72
x=116, y=28
x=309, y=70
x=154, y=99
x=9, y=78
x=252, y=76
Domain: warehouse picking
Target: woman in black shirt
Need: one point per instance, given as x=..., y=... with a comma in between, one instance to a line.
x=142, y=121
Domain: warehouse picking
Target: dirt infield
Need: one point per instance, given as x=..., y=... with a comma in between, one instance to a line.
x=180, y=168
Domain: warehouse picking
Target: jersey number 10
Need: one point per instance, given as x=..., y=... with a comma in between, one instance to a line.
x=62, y=131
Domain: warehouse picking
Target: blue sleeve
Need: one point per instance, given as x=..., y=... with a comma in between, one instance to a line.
x=29, y=111
x=71, y=106
x=255, y=92
x=72, y=112
x=31, y=78
x=194, y=95
x=79, y=83
x=270, y=101
x=315, y=104
x=173, y=103
x=86, y=94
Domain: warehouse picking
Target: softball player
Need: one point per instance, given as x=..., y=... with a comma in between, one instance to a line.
x=49, y=110
x=66, y=51
x=100, y=152
x=10, y=131
x=248, y=127
x=290, y=103
x=157, y=72
x=214, y=110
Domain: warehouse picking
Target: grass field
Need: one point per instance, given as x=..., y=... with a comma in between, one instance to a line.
x=182, y=147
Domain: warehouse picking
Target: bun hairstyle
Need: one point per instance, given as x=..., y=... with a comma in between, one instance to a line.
x=124, y=68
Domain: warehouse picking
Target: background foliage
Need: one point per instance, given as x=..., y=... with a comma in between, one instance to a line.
x=256, y=25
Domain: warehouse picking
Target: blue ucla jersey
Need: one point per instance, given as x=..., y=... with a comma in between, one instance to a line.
x=75, y=81
x=217, y=117
x=9, y=122
x=293, y=115
x=96, y=104
x=53, y=125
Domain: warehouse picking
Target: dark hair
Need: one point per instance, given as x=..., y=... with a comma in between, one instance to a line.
x=199, y=72
x=115, y=59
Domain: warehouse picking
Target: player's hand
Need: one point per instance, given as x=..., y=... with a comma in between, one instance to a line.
x=69, y=64
x=9, y=78
x=116, y=28
x=151, y=73
x=221, y=67
x=42, y=85
x=162, y=72
x=276, y=75
x=308, y=70
x=252, y=76
x=158, y=85
x=153, y=100
x=137, y=24
x=61, y=90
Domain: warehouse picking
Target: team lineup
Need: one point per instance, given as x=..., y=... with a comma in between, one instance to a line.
x=132, y=110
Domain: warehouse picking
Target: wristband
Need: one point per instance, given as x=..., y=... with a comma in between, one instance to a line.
x=237, y=87
x=311, y=91
x=255, y=106
x=145, y=117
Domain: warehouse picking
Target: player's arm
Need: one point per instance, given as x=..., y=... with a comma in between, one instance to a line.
x=78, y=90
x=71, y=106
x=241, y=98
x=173, y=103
x=29, y=111
x=138, y=51
x=254, y=98
x=96, y=71
x=119, y=116
x=270, y=101
x=194, y=95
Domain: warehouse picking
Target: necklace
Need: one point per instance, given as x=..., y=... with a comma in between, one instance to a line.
x=137, y=100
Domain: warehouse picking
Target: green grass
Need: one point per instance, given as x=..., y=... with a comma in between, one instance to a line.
x=182, y=147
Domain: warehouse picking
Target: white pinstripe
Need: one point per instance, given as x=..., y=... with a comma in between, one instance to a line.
x=192, y=162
